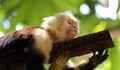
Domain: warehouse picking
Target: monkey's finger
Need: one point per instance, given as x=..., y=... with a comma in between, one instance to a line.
x=105, y=56
x=100, y=52
x=106, y=52
x=94, y=53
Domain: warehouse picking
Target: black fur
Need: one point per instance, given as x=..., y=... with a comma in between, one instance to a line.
x=35, y=61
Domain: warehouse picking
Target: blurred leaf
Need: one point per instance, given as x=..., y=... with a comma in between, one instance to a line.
x=115, y=56
x=10, y=4
x=119, y=14
x=100, y=27
x=88, y=23
x=2, y=15
x=1, y=28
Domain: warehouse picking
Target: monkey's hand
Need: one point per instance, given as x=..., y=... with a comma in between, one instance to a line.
x=97, y=58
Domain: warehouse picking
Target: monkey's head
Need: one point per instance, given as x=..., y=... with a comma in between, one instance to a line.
x=63, y=26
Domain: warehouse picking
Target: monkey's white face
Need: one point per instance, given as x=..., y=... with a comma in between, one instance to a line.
x=72, y=29
x=64, y=26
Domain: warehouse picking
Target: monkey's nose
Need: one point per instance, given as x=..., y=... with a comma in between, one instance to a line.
x=74, y=26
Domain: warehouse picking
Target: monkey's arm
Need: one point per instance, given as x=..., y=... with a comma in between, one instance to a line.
x=93, y=62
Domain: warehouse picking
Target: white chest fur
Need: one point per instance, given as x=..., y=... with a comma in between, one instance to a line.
x=43, y=42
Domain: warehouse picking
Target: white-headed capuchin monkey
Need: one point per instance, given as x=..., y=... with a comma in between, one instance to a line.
x=54, y=29
x=37, y=42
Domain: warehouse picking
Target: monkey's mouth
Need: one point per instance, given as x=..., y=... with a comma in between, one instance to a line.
x=74, y=32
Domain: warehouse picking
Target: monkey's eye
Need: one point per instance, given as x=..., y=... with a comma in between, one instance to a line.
x=72, y=24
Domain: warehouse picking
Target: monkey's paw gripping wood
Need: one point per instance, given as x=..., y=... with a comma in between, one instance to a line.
x=14, y=57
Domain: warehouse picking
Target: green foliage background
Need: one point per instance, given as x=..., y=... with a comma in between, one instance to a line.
x=31, y=12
